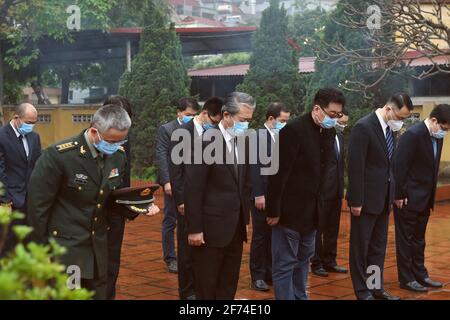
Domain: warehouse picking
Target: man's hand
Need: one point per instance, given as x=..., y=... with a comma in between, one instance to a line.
x=400, y=203
x=260, y=203
x=196, y=239
x=356, y=211
x=272, y=221
x=168, y=189
x=154, y=209
x=181, y=209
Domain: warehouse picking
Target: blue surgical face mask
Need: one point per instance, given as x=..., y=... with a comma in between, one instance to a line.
x=207, y=126
x=278, y=126
x=327, y=122
x=440, y=134
x=239, y=128
x=107, y=147
x=186, y=119
x=25, y=128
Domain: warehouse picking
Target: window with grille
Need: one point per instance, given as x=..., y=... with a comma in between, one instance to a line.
x=82, y=118
x=44, y=118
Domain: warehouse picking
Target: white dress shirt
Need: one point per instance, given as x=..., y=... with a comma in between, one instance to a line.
x=24, y=139
x=382, y=122
x=272, y=134
x=228, y=140
x=337, y=145
x=198, y=127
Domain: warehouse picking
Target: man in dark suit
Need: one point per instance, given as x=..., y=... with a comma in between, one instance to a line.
x=209, y=117
x=416, y=172
x=217, y=203
x=371, y=194
x=293, y=193
x=330, y=204
x=186, y=110
x=20, y=148
x=277, y=117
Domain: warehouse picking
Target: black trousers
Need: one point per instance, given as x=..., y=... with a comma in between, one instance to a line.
x=98, y=285
x=327, y=235
x=261, y=247
x=216, y=270
x=368, y=240
x=11, y=239
x=410, y=228
x=185, y=269
x=115, y=239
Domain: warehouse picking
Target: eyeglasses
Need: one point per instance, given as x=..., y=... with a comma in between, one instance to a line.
x=117, y=143
x=332, y=114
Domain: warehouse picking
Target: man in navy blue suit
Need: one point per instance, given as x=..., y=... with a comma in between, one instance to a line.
x=20, y=148
x=260, y=251
x=416, y=167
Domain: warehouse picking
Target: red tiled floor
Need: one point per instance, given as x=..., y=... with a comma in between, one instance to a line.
x=143, y=273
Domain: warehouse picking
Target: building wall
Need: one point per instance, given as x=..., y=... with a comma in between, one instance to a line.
x=61, y=125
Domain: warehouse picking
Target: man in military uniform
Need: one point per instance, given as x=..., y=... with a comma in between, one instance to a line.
x=69, y=187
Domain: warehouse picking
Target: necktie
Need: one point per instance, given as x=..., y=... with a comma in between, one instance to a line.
x=434, y=141
x=21, y=137
x=389, y=141
x=233, y=153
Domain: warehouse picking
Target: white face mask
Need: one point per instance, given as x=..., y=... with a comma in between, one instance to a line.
x=395, y=125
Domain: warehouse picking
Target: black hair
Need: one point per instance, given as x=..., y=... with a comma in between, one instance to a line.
x=441, y=113
x=214, y=106
x=325, y=96
x=185, y=103
x=400, y=100
x=275, y=109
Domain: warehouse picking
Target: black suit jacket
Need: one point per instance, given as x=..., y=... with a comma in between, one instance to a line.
x=259, y=181
x=162, y=158
x=333, y=183
x=415, y=168
x=216, y=198
x=176, y=171
x=15, y=167
x=370, y=171
x=293, y=192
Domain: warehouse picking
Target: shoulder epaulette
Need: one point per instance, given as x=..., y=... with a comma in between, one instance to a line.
x=66, y=146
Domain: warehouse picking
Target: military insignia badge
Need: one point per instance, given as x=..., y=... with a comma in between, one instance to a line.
x=81, y=179
x=114, y=173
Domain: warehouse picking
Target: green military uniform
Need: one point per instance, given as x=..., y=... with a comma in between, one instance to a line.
x=68, y=190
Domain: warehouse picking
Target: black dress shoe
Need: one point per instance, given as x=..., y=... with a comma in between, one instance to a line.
x=260, y=285
x=336, y=269
x=369, y=297
x=321, y=272
x=427, y=282
x=384, y=295
x=413, y=286
x=172, y=266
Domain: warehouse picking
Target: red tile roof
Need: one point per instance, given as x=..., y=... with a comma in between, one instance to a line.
x=306, y=65
x=230, y=70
